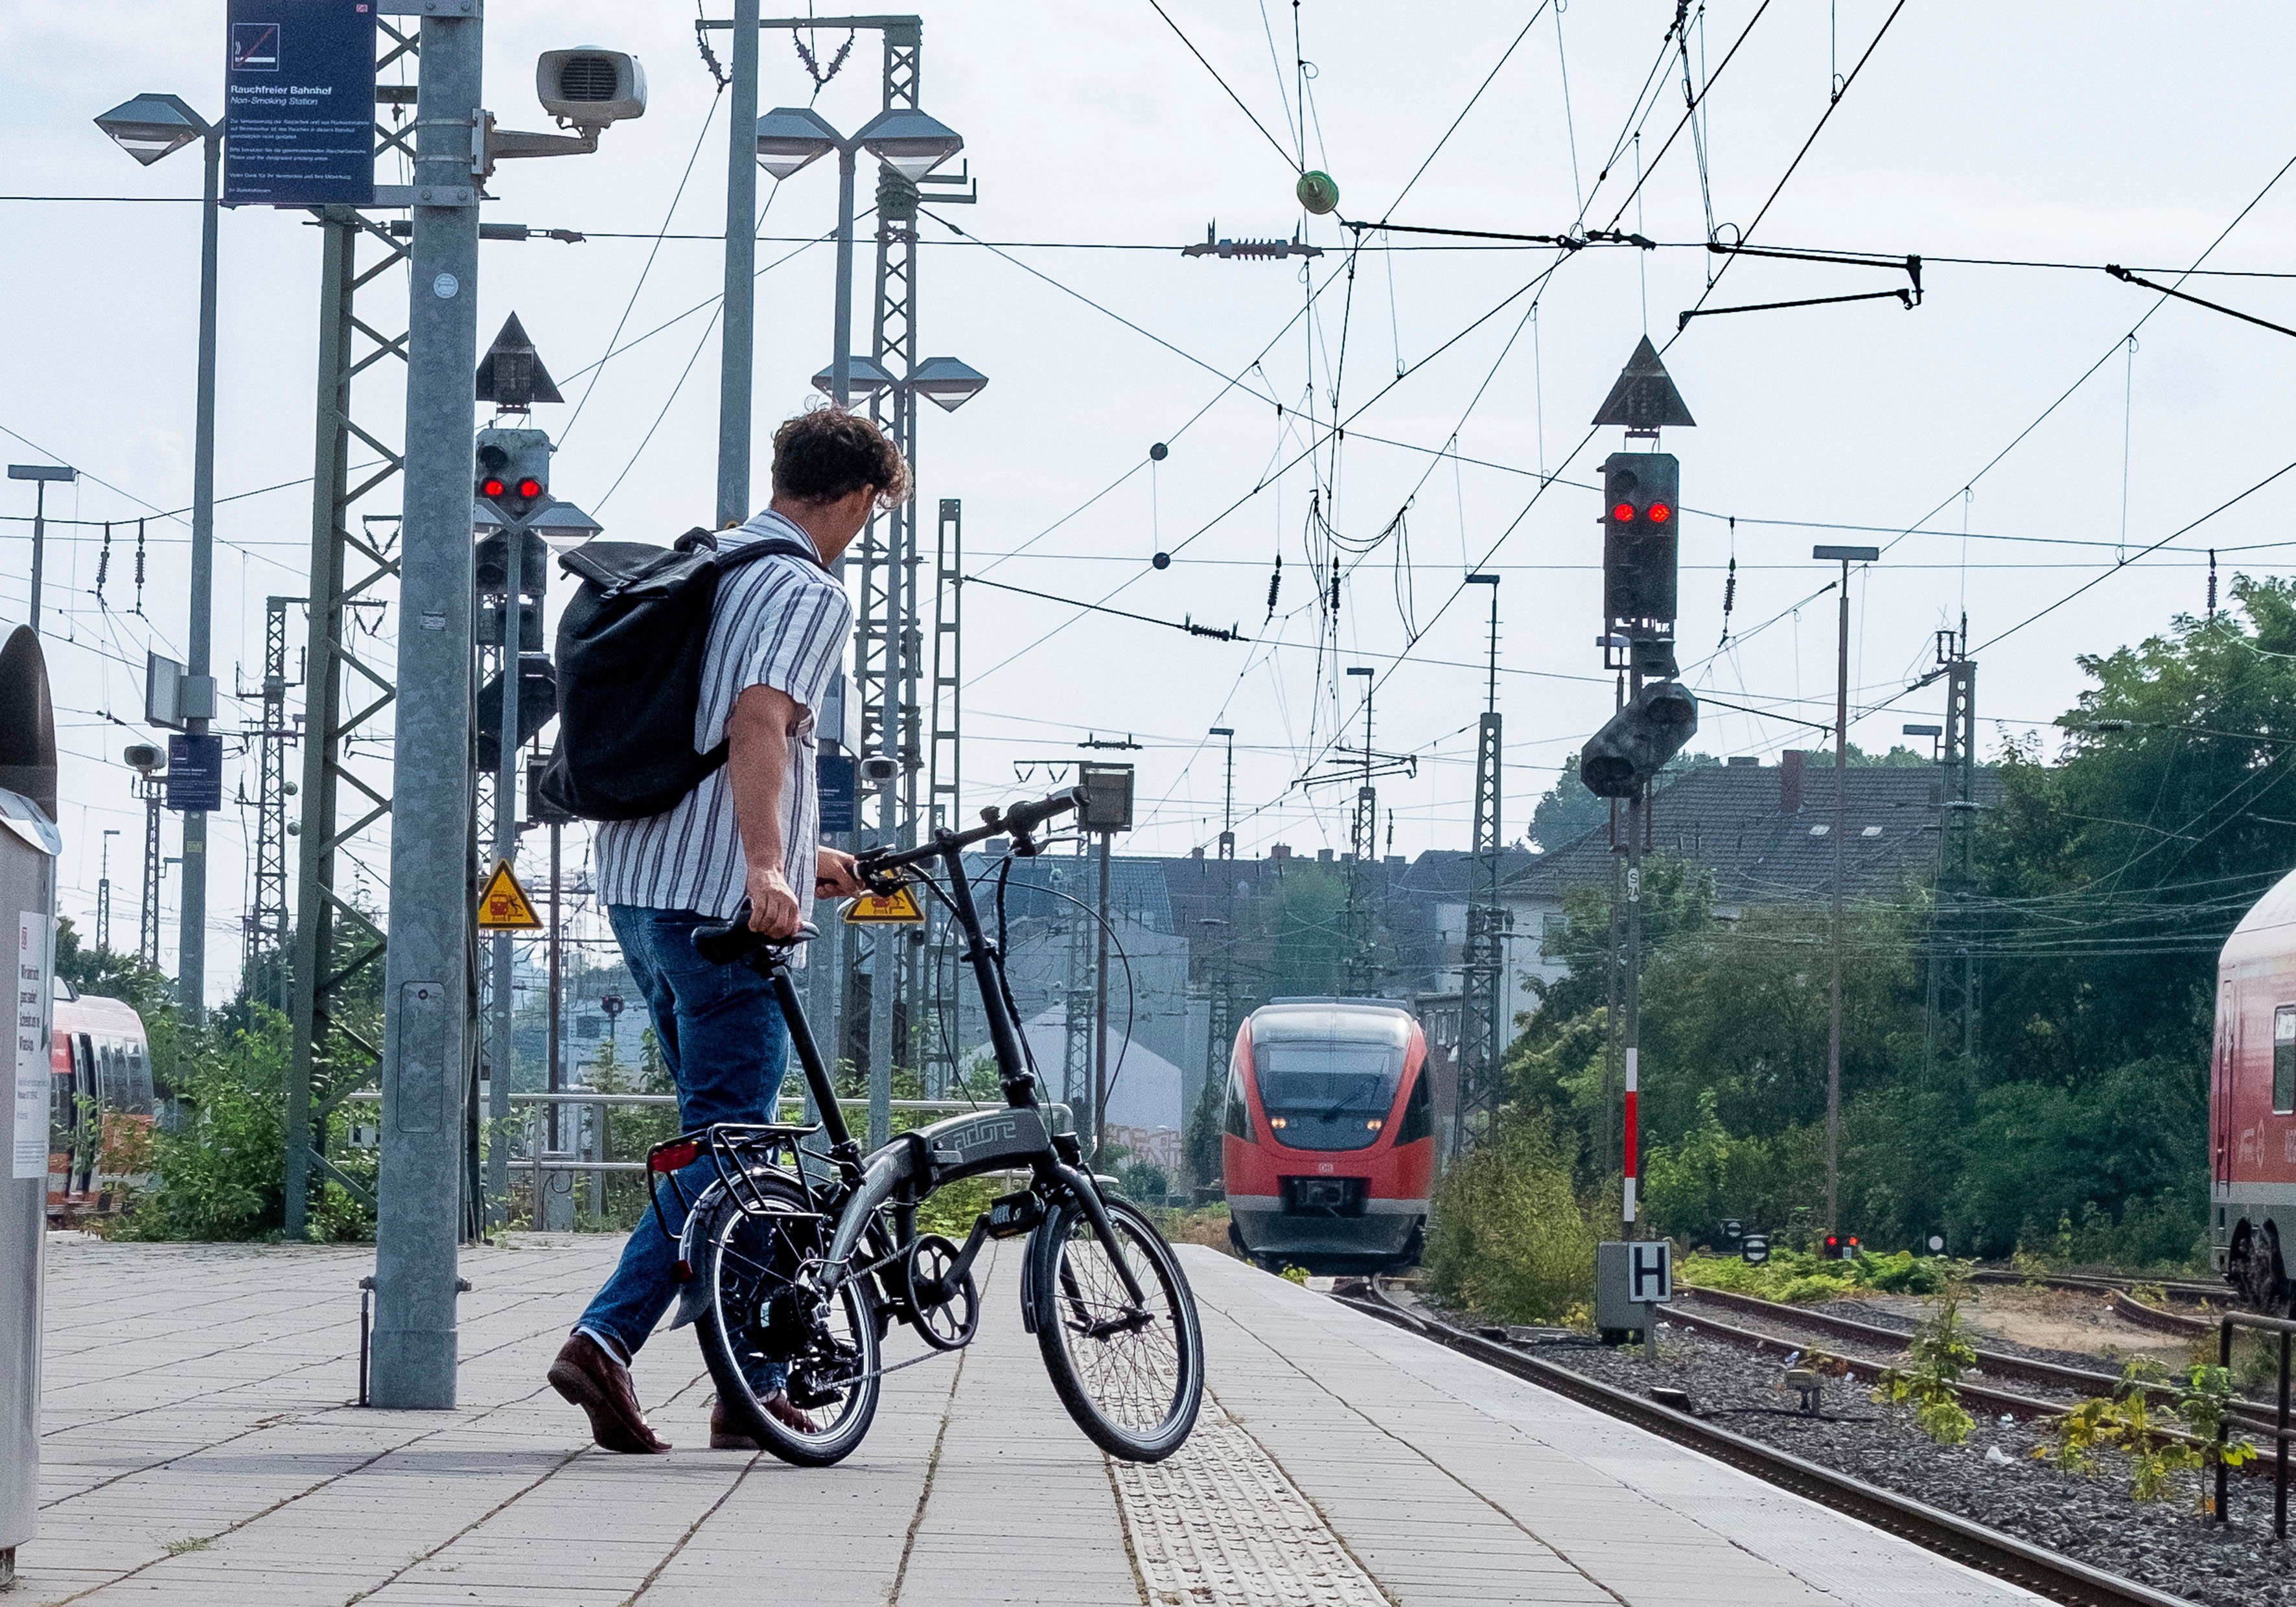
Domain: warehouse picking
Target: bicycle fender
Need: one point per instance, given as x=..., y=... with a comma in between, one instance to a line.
x=693, y=1296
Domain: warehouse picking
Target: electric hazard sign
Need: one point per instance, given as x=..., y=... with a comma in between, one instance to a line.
x=502, y=903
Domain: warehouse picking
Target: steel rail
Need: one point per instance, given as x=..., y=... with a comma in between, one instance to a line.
x=2045, y=1573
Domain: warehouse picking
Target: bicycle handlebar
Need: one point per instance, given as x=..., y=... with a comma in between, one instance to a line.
x=1017, y=821
x=726, y=942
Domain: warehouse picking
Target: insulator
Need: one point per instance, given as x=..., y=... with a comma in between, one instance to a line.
x=139, y=566
x=1335, y=588
x=1274, y=585
x=102, y=563
x=2212, y=583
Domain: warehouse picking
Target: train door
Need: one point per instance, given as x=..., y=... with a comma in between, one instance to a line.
x=2220, y=1098
x=88, y=1132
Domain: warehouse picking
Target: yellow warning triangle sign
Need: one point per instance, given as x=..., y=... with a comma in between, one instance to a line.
x=898, y=907
x=502, y=903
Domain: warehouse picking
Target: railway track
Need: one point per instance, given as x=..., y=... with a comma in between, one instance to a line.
x=1998, y=1364
x=2045, y=1573
x=2214, y=1294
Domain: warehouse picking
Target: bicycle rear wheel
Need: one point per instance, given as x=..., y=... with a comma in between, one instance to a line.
x=766, y=1311
x=1131, y=1376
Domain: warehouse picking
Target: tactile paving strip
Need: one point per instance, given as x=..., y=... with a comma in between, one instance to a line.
x=1217, y=1524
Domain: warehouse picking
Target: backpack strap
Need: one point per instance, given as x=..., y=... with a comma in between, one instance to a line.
x=768, y=546
x=765, y=547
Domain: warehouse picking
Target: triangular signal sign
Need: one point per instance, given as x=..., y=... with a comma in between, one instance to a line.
x=1645, y=398
x=502, y=903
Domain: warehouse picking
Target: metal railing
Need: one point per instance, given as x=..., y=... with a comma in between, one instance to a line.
x=2286, y=1330
x=540, y=1159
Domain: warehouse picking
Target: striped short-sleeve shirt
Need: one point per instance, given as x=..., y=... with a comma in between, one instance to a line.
x=778, y=622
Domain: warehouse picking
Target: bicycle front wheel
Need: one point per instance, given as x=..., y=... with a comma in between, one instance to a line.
x=1132, y=1376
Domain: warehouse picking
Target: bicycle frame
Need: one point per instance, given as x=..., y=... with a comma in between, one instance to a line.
x=900, y=1175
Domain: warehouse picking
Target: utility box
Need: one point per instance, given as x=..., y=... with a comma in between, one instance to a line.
x=1632, y=1279
x=29, y=846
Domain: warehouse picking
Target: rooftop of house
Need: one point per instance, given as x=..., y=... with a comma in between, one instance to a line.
x=1766, y=831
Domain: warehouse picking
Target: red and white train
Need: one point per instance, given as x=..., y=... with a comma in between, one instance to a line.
x=1329, y=1149
x=100, y=1104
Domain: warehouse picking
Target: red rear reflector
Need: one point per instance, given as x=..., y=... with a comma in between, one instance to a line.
x=1660, y=513
x=1624, y=512
x=675, y=1157
x=682, y=1272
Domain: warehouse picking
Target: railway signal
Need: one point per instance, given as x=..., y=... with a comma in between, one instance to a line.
x=1841, y=1247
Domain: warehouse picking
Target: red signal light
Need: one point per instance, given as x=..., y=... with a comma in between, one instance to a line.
x=1660, y=513
x=490, y=486
x=530, y=488
x=1624, y=513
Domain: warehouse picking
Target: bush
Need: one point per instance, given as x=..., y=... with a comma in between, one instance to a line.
x=1509, y=1237
x=1799, y=1277
x=221, y=1172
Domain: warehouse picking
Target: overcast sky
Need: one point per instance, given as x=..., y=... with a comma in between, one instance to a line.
x=1977, y=131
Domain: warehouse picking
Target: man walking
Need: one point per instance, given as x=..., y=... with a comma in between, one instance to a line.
x=777, y=636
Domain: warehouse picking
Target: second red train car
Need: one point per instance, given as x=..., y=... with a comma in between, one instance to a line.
x=1329, y=1148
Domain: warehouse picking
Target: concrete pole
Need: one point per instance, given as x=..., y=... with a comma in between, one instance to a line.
x=499, y=1049
x=1834, y=1014
x=192, y=941
x=425, y=1032
x=738, y=344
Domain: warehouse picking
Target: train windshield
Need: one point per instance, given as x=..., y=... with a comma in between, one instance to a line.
x=1327, y=1096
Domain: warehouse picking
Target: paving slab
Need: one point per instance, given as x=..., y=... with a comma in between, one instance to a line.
x=203, y=1445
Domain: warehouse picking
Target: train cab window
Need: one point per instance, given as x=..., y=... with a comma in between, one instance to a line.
x=1238, y=1115
x=1327, y=1095
x=1418, y=1111
x=2283, y=1060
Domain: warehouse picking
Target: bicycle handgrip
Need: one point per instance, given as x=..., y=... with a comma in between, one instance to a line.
x=1023, y=818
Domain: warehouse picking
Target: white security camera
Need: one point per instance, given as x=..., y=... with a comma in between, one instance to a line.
x=877, y=769
x=589, y=87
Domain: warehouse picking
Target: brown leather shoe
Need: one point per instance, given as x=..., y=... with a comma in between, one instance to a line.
x=593, y=1380
x=724, y=1436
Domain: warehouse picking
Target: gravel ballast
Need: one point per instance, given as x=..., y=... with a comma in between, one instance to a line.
x=1993, y=1478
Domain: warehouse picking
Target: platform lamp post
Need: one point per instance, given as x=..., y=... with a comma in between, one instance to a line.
x=1845, y=557
x=792, y=138
x=41, y=475
x=149, y=127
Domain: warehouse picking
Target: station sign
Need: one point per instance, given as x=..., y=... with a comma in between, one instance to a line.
x=194, y=778
x=298, y=103
x=838, y=778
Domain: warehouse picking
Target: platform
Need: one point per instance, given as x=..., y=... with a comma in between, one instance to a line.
x=200, y=1448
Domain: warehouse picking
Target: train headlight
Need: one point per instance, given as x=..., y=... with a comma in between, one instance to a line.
x=1278, y=1122
x=1374, y=1125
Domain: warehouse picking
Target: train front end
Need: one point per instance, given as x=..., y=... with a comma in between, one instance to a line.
x=1329, y=1142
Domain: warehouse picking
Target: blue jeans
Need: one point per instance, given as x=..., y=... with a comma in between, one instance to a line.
x=726, y=1046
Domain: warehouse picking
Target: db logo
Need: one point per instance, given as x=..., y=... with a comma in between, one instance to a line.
x=1324, y=1168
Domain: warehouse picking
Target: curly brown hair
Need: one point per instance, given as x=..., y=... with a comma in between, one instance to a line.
x=825, y=454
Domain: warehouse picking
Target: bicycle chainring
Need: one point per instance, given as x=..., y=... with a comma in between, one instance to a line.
x=944, y=1310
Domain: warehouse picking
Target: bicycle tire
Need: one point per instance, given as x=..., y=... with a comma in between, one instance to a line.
x=1140, y=1403
x=747, y=1259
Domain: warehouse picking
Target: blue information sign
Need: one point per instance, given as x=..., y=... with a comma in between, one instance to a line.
x=298, y=97
x=195, y=773
x=838, y=773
